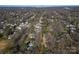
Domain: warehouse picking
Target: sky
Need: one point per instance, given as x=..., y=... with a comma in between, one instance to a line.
x=39, y=2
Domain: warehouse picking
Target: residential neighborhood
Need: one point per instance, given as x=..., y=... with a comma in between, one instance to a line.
x=39, y=30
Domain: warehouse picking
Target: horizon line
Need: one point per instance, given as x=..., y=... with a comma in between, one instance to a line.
x=39, y=5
